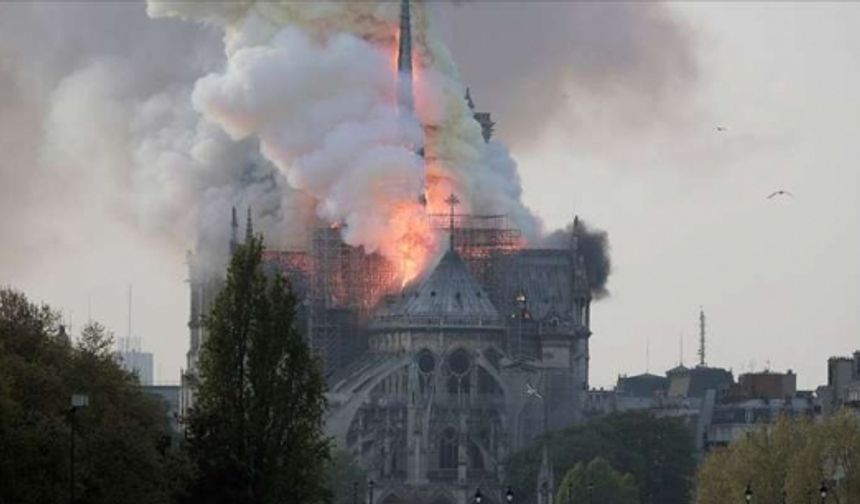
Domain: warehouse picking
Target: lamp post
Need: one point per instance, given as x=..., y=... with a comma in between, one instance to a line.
x=590, y=492
x=478, y=496
x=370, y=486
x=78, y=401
x=509, y=495
x=823, y=491
x=748, y=493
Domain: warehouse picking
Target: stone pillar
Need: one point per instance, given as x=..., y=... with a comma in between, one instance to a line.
x=462, y=454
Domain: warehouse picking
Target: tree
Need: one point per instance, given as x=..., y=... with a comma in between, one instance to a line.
x=346, y=480
x=256, y=429
x=792, y=456
x=657, y=452
x=597, y=482
x=121, y=455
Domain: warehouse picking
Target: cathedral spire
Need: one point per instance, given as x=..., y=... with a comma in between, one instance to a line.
x=405, y=94
x=404, y=59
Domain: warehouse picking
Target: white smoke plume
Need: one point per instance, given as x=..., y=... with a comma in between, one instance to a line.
x=316, y=85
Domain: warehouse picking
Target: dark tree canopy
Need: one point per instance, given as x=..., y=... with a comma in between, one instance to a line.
x=121, y=454
x=597, y=481
x=657, y=452
x=256, y=428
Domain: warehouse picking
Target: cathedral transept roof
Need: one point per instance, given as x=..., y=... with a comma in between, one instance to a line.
x=449, y=296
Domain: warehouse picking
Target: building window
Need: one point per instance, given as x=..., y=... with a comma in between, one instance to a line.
x=448, y=449
x=476, y=458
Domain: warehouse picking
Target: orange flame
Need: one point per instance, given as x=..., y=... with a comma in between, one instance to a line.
x=412, y=240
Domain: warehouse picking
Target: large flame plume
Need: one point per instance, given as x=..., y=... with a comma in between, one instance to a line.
x=315, y=83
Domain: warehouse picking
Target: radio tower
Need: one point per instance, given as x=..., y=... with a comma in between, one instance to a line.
x=702, y=337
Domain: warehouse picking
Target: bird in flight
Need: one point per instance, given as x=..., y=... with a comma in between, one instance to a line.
x=721, y=128
x=530, y=390
x=780, y=193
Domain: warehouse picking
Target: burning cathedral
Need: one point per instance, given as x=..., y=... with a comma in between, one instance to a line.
x=433, y=383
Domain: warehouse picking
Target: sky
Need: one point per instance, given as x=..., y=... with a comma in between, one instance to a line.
x=611, y=111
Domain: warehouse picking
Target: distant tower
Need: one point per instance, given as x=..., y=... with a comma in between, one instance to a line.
x=702, y=337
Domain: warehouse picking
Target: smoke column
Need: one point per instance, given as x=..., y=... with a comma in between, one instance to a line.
x=594, y=247
x=315, y=84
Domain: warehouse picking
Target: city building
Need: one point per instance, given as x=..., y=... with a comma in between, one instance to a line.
x=843, y=384
x=138, y=363
x=169, y=395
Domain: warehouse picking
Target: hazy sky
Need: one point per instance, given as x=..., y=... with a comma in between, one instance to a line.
x=611, y=111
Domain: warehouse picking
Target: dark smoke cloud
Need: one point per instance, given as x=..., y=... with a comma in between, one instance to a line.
x=531, y=62
x=594, y=245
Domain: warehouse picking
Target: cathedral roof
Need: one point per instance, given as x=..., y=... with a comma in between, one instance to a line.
x=449, y=296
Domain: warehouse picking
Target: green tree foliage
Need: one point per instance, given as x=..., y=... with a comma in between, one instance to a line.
x=604, y=484
x=657, y=452
x=121, y=453
x=256, y=429
x=793, y=456
x=346, y=480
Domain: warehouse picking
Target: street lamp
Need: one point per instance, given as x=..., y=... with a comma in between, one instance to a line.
x=509, y=495
x=370, y=486
x=78, y=401
x=748, y=493
x=823, y=491
x=590, y=492
x=478, y=496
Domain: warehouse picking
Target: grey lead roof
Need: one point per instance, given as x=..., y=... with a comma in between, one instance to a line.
x=449, y=296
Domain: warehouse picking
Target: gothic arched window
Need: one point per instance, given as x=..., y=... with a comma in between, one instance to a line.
x=448, y=449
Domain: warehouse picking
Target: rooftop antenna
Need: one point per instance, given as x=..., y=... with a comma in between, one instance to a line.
x=701, y=337
x=681, y=351
x=647, y=354
x=452, y=201
x=128, y=338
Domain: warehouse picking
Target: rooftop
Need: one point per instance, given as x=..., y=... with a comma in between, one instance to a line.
x=449, y=296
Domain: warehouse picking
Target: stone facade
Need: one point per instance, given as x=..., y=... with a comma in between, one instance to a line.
x=451, y=383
